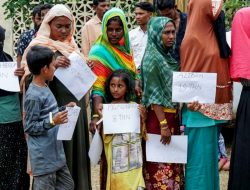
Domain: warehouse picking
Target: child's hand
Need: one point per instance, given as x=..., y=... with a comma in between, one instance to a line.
x=71, y=104
x=99, y=109
x=61, y=117
x=143, y=112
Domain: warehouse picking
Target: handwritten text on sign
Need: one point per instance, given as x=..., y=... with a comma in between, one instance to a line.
x=66, y=130
x=121, y=118
x=8, y=81
x=78, y=77
x=190, y=86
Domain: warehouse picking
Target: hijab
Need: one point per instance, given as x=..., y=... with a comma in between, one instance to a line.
x=157, y=66
x=111, y=57
x=4, y=57
x=43, y=36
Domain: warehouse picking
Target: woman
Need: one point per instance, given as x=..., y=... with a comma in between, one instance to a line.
x=13, y=148
x=157, y=70
x=202, y=120
x=240, y=161
x=110, y=52
x=56, y=32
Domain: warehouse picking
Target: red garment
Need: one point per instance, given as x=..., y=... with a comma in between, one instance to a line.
x=160, y=176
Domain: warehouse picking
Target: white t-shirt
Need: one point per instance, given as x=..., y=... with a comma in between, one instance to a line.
x=138, y=41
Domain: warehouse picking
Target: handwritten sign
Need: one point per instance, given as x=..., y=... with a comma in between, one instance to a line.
x=121, y=118
x=190, y=86
x=78, y=77
x=174, y=152
x=66, y=130
x=8, y=81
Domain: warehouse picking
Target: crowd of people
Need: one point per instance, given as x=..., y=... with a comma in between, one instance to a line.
x=132, y=67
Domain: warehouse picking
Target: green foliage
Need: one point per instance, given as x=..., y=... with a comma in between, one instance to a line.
x=25, y=7
x=230, y=7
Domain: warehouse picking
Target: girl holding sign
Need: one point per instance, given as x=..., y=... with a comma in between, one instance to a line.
x=123, y=151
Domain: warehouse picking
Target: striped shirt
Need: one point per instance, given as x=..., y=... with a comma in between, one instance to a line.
x=46, y=152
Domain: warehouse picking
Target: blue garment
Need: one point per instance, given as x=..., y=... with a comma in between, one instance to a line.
x=179, y=36
x=24, y=41
x=46, y=152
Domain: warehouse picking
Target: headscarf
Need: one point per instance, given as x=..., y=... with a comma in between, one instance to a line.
x=157, y=66
x=199, y=50
x=4, y=57
x=43, y=35
x=240, y=60
x=110, y=57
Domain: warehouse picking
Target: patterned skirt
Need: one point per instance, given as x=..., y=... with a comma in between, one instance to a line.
x=163, y=176
x=13, y=157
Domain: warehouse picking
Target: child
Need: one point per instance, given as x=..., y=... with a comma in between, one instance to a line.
x=124, y=172
x=41, y=122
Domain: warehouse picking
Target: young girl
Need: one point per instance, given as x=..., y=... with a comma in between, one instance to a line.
x=124, y=172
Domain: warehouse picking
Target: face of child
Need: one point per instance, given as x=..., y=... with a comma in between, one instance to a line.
x=118, y=89
x=49, y=71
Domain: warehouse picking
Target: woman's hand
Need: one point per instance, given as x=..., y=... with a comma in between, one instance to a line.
x=19, y=72
x=138, y=90
x=165, y=134
x=71, y=104
x=90, y=63
x=194, y=106
x=62, y=61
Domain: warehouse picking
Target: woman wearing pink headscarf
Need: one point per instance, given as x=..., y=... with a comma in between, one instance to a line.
x=240, y=71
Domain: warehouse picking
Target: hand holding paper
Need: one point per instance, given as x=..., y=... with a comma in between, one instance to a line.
x=66, y=130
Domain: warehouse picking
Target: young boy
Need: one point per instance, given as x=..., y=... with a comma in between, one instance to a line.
x=41, y=122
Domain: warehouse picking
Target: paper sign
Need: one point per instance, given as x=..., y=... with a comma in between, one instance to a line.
x=190, y=86
x=96, y=148
x=175, y=152
x=78, y=77
x=121, y=118
x=8, y=81
x=66, y=130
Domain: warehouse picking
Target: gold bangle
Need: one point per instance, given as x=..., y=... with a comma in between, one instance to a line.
x=163, y=128
x=163, y=122
x=95, y=116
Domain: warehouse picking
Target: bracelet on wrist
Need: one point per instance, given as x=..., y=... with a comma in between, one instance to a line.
x=163, y=122
x=51, y=121
x=163, y=128
x=95, y=116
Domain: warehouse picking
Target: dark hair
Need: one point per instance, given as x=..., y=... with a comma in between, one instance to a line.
x=46, y=6
x=96, y=2
x=126, y=78
x=116, y=19
x=145, y=6
x=38, y=57
x=165, y=4
x=36, y=10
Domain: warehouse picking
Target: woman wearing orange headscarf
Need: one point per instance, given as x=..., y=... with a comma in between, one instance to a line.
x=56, y=32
